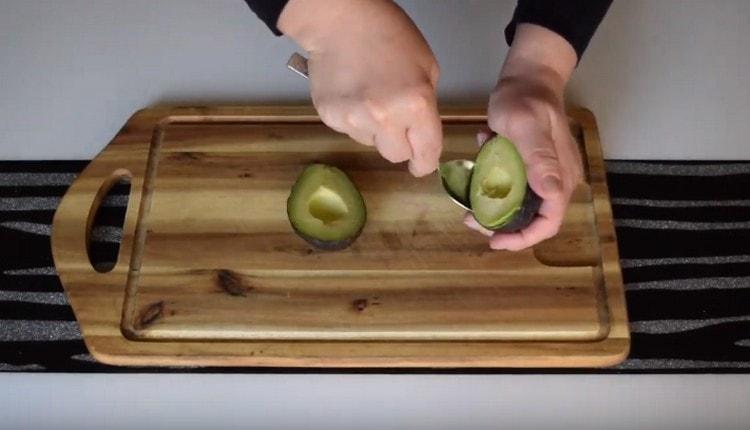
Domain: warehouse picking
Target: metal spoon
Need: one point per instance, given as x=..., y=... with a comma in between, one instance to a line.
x=298, y=64
x=467, y=165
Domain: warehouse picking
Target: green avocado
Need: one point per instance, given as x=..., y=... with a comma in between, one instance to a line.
x=325, y=208
x=499, y=194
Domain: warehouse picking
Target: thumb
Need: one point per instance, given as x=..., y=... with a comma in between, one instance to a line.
x=425, y=136
x=484, y=134
x=542, y=164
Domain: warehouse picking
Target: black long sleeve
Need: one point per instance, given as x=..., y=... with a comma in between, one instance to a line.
x=268, y=11
x=575, y=20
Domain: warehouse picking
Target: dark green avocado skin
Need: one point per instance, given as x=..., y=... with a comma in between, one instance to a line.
x=526, y=213
x=327, y=245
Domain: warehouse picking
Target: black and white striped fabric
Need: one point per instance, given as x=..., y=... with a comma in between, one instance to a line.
x=683, y=231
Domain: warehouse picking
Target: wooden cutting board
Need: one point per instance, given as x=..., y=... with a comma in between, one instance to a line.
x=211, y=273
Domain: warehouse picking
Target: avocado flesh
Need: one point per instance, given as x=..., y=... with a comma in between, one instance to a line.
x=325, y=208
x=499, y=194
x=456, y=176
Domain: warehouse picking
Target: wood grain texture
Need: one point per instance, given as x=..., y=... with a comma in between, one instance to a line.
x=210, y=272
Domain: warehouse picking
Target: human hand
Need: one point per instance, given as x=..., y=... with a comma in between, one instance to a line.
x=527, y=107
x=372, y=76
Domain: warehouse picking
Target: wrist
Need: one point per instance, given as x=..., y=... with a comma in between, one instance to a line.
x=304, y=21
x=314, y=24
x=540, y=57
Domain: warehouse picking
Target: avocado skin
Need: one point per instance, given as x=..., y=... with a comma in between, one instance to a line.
x=525, y=214
x=328, y=245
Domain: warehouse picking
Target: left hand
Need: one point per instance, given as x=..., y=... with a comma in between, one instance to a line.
x=527, y=107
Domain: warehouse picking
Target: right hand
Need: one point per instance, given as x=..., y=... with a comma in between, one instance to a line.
x=372, y=76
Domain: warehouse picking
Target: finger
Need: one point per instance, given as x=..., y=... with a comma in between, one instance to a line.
x=484, y=134
x=539, y=230
x=425, y=137
x=365, y=138
x=392, y=144
x=542, y=163
x=357, y=123
x=472, y=223
x=569, y=153
x=545, y=225
x=333, y=118
x=570, y=162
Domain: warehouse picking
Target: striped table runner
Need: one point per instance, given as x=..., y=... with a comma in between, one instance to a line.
x=683, y=231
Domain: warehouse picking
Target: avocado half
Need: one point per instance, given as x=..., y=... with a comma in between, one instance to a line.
x=325, y=208
x=499, y=194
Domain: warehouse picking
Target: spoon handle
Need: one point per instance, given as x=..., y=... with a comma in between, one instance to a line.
x=298, y=64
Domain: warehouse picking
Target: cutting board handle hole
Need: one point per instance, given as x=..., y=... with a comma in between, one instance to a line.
x=105, y=221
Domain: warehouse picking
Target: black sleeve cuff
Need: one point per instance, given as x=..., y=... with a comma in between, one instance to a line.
x=268, y=11
x=575, y=20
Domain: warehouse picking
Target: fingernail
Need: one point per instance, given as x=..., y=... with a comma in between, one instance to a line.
x=482, y=137
x=412, y=169
x=551, y=185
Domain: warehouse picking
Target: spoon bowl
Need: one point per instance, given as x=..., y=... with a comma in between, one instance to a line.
x=455, y=176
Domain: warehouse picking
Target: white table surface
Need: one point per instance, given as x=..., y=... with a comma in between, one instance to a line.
x=331, y=401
